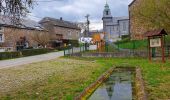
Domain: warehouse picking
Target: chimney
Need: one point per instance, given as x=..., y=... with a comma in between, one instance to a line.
x=61, y=18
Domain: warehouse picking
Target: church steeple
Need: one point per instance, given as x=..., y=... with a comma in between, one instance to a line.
x=107, y=20
x=106, y=12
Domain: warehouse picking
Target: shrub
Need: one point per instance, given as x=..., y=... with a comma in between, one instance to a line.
x=74, y=43
x=9, y=55
x=125, y=36
x=31, y=52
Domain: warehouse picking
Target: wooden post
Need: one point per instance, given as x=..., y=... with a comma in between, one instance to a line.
x=163, y=49
x=149, y=48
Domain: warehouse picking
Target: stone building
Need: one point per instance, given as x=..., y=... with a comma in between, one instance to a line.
x=20, y=36
x=114, y=27
x=61, y=32
x=137, y=27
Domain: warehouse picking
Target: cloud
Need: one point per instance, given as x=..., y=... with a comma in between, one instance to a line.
x=75, y=10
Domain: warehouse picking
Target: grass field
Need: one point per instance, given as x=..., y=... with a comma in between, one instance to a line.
x=65, y=78
x=135, y=44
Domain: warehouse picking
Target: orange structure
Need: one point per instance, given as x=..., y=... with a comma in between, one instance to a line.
x=98, y=39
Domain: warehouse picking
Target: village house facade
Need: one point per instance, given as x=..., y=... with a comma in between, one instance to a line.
x=114, y=27
x=14, y=37
x=61, y=32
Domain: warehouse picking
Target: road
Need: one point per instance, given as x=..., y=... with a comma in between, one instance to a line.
x=30, y=59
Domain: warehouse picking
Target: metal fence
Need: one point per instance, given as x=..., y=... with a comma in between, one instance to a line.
x=73, y=50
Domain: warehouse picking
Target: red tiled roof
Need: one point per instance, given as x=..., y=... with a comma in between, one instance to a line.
x=157, y=32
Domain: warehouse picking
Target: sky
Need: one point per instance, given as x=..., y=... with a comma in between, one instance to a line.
x=76, y=10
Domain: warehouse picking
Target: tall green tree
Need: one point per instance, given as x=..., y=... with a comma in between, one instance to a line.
x=15, y=8
x=155, y=12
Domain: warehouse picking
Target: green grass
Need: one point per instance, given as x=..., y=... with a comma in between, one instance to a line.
x=156, y=75
x=51, y=80
x=135, y=44
x=65, y=78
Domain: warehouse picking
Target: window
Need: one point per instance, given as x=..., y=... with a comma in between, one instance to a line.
x=1, y=29
x=1, y=37
x=69, y=33
x=77, y=34
x=124, y=26
x=107, y=12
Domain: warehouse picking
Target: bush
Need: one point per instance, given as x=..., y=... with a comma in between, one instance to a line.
x=74, y=43
x=125, y=36
x=123, y=40
x=31, y=52
x=9, y=55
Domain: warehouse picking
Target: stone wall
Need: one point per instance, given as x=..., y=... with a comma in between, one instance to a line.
x=67, y=33
x=122, y=54
x=137, y=26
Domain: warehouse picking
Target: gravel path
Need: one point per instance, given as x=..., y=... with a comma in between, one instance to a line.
x=30, y=59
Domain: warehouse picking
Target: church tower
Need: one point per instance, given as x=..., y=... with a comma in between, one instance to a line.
x=107, y=22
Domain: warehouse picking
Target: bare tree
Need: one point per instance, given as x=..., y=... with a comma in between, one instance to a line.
x=16, y=9
x=41, y=38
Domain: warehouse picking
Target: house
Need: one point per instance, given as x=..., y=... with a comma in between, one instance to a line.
x=61, y=32
x=14, y=37
x=137, y=27
x=114, y=27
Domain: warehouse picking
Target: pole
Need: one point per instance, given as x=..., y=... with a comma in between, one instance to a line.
x=88, y=23
x=72, y=49
x=163, y=50
x=149, y=52
x=64, y=52
x=80, y=48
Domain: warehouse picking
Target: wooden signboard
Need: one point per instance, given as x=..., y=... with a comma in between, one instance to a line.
x=155, y=42
x=156, y=39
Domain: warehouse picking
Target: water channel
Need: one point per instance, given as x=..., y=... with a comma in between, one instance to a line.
x=117, y=87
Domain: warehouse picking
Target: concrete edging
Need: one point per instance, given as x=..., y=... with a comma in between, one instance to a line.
x=139, y=90
x=89, y=90
x=139, y=85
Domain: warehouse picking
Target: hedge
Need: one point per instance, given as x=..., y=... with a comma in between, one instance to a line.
x=32, y=52
x=23, y=53
x=9, y=55
x=74, y=43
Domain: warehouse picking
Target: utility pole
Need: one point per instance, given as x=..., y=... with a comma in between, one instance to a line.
x=88, y=23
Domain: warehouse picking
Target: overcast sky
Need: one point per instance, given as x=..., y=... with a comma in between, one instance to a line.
x=75, y=10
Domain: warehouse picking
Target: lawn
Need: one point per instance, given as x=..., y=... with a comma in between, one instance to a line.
x=65, y=78
x=53, y=80
x=135, y=44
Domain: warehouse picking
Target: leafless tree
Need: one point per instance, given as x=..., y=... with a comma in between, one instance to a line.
x=41, y=38
x=16, y=9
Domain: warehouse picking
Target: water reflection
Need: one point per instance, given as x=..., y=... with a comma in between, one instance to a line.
x=117, y=87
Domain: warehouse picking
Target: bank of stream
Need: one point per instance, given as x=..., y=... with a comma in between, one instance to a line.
x=120, y=83
x=119, y=86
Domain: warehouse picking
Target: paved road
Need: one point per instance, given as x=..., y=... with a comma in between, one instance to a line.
x=30, y=59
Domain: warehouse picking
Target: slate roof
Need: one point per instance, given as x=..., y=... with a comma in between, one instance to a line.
x=116, y=19
x=157, y=32
x=60, y=23
x=24, y=24
x=131, y=3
